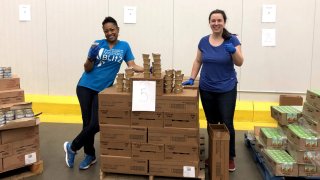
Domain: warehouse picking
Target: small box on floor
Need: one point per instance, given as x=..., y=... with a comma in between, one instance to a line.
x=219, y=138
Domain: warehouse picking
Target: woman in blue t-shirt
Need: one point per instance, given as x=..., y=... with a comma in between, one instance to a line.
x=101, y=67
x=217, y=54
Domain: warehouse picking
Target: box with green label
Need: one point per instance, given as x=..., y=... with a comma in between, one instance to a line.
x=303, y=138
x=273, y=138
x=309, y=170
x=311, y=111
x=280, y=162
x=313, y=97
x=286, y=114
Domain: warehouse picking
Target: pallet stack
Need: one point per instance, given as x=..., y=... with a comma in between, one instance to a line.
x=19, y=129
x=164, y=142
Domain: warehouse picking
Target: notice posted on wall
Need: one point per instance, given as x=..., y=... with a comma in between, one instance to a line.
x=143, y=95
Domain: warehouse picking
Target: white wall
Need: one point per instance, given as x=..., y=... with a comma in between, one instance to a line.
x=49, y=51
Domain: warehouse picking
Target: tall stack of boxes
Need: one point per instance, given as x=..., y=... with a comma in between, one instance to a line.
x=298, y=134
x=19, y=130
x=160, y=143
x=304, y=140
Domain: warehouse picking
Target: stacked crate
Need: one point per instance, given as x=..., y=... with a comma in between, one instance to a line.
x=304, y=139
x=160, y=143
x=19, y=130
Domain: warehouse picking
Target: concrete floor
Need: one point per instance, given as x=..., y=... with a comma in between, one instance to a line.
x=52, y=137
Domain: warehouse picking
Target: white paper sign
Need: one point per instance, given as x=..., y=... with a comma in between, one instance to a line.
x=30, y=158
x=268, y=37
x=130, y=14
x=189, y=171
x=269, y=13
x=24, y=12
x=143, y=95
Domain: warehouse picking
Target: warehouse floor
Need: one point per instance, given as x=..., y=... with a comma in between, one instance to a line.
x=53, y=135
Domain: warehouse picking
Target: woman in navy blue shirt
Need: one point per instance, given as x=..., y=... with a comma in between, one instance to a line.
x=217, y=54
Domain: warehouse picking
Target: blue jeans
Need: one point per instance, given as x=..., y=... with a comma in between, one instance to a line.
x=88, y=100
x=219, y=108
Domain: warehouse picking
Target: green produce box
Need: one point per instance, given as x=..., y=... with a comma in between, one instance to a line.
x=273, y=138
x=280, y=162
x=303, y=138
x=286, y=114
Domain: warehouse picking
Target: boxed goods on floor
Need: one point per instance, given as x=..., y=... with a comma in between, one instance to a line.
x=303, y=138
x=160, y=141
x=219, y=152
x=273, y=138
x=280, y=162
x=286, y=114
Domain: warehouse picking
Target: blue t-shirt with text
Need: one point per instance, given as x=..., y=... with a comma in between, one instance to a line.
x=217, y=73
x=106, y=65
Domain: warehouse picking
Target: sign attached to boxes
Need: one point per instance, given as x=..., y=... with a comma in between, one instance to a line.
x=143, y=95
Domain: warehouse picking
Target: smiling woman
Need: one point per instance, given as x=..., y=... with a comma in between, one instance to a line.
x=104, y=59
x=217, y=54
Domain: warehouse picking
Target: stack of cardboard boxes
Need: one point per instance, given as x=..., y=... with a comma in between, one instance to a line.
x=304, y=139
x=298, y=134
x=160, y=143
x=19, y=132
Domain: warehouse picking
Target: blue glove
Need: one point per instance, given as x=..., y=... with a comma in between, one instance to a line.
x=189, y=82
x=229, y=48
x=93, y=51
x=151, y=69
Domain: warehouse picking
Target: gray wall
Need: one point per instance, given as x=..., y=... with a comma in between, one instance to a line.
x=49, y=51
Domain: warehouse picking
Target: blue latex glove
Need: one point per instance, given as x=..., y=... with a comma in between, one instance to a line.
x=189, y=82
x=93, y=51
x=230, y=48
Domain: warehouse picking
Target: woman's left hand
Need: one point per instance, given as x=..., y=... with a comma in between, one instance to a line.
x=230, y=48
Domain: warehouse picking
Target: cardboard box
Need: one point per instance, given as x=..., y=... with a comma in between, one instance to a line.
x=273, y=138
x=181, y=152
x=303, y=139
x=115, y=148
x=174, y=168
x=114, y=117
x=147, y=151
x=127, y=165
x=147, y=119
x=9, y=83
x=290, y=100
x=5, y=151
x=286, y=114
x=20, y=160
x=309, y=123
x=302, y=157
x=309, y=170
x=219, y=139
x=159, y=82
x=311, y=111
x=110, y=99
x=20, y=123
x=280, y=167
x=13, y=135
x=26, y=145
x=313, y=98
x=181, y=120
x=11, y=96
x=176, y=136
x=185, y=102
x=117, y=133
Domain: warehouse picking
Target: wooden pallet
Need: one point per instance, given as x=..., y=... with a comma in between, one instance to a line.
x=23, y=172
x=104, y=175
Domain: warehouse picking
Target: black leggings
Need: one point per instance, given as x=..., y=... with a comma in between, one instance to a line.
x=219, y=108
x=88, y=100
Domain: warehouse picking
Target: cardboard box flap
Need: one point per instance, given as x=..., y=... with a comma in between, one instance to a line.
x=20, y=123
